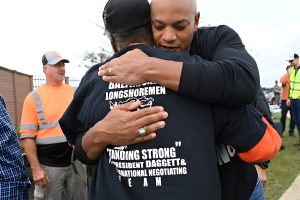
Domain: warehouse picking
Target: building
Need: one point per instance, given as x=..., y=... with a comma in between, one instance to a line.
x=14, y=88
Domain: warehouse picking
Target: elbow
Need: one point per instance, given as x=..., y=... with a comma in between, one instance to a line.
x=250, y=90
x=84, y=158
x=243, y=97
x=87, y=161
x=245, y=94
x=248, y=84
x=254, y=156
x=252, y=93
x=267, y=147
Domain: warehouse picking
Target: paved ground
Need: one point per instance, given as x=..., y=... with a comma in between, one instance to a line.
x=293, y=192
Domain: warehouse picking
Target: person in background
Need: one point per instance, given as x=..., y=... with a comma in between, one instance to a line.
x=285, y=82
x=294, y=92
x=14, y=182
x=55, y=173
x=222, y=76
x=277, y=91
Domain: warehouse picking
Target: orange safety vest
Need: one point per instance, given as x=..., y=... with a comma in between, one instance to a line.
x=41, y=111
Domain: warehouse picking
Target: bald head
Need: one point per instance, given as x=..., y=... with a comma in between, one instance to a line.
x=174, y=23
x=191, y=4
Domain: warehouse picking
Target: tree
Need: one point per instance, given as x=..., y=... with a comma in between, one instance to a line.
x=93, y=57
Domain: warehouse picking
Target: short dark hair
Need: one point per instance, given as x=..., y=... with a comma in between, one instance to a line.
x=139, y=35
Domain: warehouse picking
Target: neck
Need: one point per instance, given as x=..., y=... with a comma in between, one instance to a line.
x=53, y=83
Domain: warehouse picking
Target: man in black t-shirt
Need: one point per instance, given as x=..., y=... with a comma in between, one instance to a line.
x=227, y=75
x=180, y=163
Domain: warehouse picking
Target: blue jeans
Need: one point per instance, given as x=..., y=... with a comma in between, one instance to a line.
x=258, y=192
x=295, y=112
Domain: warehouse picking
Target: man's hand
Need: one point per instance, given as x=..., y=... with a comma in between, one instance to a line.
x=261, y=175
x=121, y=124
x=288, y=103
x=127, y=69
x=121, y=127
x=40, y=177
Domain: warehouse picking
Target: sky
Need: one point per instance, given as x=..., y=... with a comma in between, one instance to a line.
x=270, y=30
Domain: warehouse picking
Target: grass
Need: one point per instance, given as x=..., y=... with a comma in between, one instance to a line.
x=284, y=168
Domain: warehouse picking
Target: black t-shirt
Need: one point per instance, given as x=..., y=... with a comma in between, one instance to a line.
x=180, y=163
x=227, y=65
x=56, y=155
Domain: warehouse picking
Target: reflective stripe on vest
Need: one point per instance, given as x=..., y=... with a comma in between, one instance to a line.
x=44, y=125
x=294, y=84
x=52, y=140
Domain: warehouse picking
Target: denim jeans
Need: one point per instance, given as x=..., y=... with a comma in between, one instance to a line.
x=284, y=111
x=258, y=192
x=295, y=111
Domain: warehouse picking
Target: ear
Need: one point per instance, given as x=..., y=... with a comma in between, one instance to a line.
x=112, y=42
x=44, y=68
x=196, y=20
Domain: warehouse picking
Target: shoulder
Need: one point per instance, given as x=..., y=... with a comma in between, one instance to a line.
x=90, y=72
x=88, y=80
x=216, y=35
x=29, y=99
x=208, y=40
x=30, y=95
x=215, y=30
x=283, y=78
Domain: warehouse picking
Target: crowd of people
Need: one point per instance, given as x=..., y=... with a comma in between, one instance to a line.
x=186, y=119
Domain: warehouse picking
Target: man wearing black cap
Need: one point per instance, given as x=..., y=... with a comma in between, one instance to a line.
x=294, y=92
x=180, y=162
x=44, y=143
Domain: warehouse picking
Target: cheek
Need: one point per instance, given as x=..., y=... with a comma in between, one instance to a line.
x=157, y=37
x=185, y=41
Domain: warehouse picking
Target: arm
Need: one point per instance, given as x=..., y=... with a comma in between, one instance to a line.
x=284, y=79
x=254, y=139
x=266, y=148
x=38, y=174
x=262, y=175
x=228, y=76
x=135, y=67
x=120, y=127
x=28, y=130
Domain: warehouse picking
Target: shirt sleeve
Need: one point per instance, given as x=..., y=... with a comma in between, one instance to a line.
x=267, y=147
x=240, y=127
x=225, y=74
x=80, y=153
x=284, y=79
x=29, y=120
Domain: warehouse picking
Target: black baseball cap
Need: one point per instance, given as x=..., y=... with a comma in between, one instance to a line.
x=124, y=15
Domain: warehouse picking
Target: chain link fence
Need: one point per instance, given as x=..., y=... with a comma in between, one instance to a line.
x=39, y=80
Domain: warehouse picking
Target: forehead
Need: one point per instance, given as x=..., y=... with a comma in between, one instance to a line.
x=172, y=8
